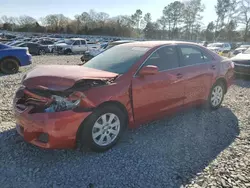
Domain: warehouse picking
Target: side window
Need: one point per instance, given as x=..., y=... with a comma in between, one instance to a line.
x=77, y=42
x=164, y=58
x=83, y=42
x=190, y=56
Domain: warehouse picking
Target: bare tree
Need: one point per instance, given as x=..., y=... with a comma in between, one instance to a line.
x=244, y=16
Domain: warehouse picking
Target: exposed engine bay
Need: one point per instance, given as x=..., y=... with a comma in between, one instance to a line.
x=43, y=99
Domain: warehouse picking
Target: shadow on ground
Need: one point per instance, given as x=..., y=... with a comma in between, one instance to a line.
x=166, y=153
x=242, y=81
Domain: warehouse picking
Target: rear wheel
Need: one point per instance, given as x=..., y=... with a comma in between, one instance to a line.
x=103, y=128
x=41, y=52
x=9, y=66
x=216, y=95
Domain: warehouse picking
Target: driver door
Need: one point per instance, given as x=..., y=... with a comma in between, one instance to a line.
x=156, y=95
x=76, y=47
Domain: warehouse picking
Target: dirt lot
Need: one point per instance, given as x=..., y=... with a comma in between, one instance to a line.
x=195, y=148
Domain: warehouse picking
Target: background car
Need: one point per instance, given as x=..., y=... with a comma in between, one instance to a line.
x=35, y=48
x=219, y=47
x=242, y=63
x=240, y=49
x=12, y=58
x=94, y=52
x=95, y=103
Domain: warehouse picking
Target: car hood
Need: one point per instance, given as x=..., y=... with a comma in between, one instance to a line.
x=61, y=44
x=62, y=77
x=213, y=48
x=241, y=57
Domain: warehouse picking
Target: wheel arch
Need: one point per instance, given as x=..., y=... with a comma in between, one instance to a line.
x=10, y=57
x=107, y=103
x=223, y=81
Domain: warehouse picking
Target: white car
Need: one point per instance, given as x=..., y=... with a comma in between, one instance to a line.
x=219, y=47
x=240, y=49
x=73, y=45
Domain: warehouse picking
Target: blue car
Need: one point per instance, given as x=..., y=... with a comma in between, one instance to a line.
x=11, y=58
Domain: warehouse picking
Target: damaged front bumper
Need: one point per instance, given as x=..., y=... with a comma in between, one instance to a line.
x=53, y=130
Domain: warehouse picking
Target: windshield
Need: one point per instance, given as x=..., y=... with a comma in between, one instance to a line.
x=247, y=51
x=118, y=59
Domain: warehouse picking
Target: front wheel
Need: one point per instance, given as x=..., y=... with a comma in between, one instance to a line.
x=216, y=96
x=103, y=128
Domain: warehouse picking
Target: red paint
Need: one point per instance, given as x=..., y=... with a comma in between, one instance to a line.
x=148, y=97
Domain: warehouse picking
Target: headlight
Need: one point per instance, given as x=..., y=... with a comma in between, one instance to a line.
x=60, y=104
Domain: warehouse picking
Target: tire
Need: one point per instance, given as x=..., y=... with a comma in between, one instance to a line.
x=94, y=129
x=9, y=66
x=67, y=52
x=216, y=96
x=41, y=52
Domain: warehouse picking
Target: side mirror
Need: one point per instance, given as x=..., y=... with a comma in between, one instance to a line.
x=148, y=70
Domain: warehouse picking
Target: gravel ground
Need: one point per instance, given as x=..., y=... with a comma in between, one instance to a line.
x=195, y=148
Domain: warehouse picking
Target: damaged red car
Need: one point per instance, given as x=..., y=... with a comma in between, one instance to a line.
x=58, y=105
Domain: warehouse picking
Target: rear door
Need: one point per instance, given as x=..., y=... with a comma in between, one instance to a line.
x=155, y=95
x=198, y=69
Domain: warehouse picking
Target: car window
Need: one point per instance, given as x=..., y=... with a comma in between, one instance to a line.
x=83, y=42
x=164, y=58
x=118, y=59
x=190, y=56
x=77, y=42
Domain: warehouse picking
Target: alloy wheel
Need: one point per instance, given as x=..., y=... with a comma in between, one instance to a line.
x=106, y=129
x=217, y=95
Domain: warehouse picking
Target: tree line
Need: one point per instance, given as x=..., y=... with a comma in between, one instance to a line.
x=179, y=20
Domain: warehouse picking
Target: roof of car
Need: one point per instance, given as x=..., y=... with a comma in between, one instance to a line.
x=77, y=38
x=152, y=44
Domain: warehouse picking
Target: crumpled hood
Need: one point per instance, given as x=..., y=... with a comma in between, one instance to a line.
x=62, y=77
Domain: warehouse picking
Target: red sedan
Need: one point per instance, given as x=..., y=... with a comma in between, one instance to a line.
x=130, y=84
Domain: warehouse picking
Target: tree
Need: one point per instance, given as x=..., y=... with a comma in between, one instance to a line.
x=244, y=16
x=192, y=17
x=56, y=22
x=209, y=31
x=173, y=14
x=136, y=18
x=222, y=9
x=26, y=21
x=147, y=18
x=151, y=30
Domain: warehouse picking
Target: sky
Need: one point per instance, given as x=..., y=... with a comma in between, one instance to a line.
x=41, y=8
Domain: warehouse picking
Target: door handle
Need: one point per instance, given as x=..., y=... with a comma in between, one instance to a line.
x=213, y=67
x=179, y=75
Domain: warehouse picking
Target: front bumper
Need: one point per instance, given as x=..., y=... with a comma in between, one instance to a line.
x=241, y=69
x=26, y=60
x=60, y=127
